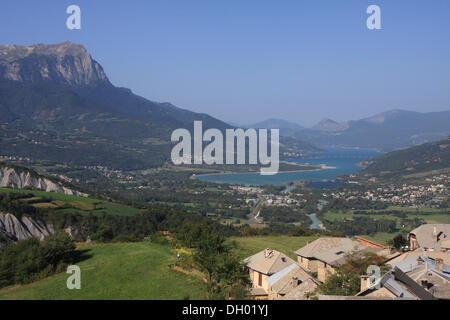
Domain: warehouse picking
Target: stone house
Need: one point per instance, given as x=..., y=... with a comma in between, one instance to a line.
x=323, y=255
x=430, y=237
x=276, y=276
x=421, y=277
x=291, y=283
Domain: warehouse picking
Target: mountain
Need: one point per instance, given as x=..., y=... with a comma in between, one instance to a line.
x=57, y=105
x=66, y=63
x=418, y=162
x=17, y=177
x=286, y=128
x=329, y=125
x=386, y=131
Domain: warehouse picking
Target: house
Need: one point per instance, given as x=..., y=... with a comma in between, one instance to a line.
x=417, y=277
x=275, y=276
x=445, y=256
x=430, y=237
x=263, y=265
x=323, y=255
x=291, y=283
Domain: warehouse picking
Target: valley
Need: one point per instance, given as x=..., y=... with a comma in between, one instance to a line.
x=87, y=177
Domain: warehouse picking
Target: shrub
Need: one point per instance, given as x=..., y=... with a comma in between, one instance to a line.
x=29, y=260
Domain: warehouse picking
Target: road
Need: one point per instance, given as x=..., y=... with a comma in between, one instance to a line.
x=254, y=215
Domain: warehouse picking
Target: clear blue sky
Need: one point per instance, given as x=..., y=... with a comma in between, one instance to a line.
x=248, y=60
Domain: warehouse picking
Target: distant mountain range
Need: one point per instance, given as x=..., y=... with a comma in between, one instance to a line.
x=385, y=131
x=286, y=128
x=57, y=105
x=418, y=162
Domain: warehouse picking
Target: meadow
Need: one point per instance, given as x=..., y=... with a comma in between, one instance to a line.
x=433, y=215
x=71, y=204
x=138, y=271
x=250, y=245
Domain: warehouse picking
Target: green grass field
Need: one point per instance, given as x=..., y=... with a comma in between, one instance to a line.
x=437, y=216
x=117, y=271
x=251, y=245
x=77, y=204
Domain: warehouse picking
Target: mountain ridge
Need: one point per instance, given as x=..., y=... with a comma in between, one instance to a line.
x=422, y=161
x=51, y=110
x=385, y=131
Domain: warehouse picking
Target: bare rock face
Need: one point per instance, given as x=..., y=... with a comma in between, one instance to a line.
x=67, y=63
x=11, y=177
x=71, y=231
x=14, y=229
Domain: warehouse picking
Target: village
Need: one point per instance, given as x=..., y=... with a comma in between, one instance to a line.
x=420, y=273
x=409, y=195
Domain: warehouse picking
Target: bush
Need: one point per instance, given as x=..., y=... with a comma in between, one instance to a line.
x=30, y=260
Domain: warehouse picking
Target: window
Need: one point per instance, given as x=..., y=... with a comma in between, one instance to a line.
x=260, y=279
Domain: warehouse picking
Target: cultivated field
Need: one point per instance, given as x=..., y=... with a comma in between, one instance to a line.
x=71, y=204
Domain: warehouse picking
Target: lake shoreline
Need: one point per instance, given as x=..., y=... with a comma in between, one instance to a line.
x=329, y=166
x=322, y=167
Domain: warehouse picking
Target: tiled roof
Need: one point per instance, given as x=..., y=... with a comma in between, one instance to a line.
x=292, y=282
x=269, y=264
x=333, y=250
x=426, y=233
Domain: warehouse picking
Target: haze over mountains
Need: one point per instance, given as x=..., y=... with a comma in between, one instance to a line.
x=287, y=128
x=419, y=162
x=57, y=105
x=385, y=131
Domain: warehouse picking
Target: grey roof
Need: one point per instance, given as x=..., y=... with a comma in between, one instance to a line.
x=258, y=292
x=326, y=297
x=333, y=250
x=280, y=274
x=412, y=285
x=407, y=278
x=407, y=265
x=425, y=235
x=270, y=264
x=395, y=287
x=293, y=283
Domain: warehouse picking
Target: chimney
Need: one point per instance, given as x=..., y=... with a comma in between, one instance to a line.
x=267, y=253
x=294, y=282
x=439, y=264
x=364, y=281
x=435, y=235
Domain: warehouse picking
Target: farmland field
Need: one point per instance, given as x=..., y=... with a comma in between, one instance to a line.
x=71, y=204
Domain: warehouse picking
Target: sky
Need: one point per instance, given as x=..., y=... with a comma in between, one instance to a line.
x=245, y=61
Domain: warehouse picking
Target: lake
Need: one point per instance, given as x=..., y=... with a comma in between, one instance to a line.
x=343, y=160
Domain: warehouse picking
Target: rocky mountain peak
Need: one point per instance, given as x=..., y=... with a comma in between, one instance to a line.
x=64, y=63
x=388, y=115
x=330, y=125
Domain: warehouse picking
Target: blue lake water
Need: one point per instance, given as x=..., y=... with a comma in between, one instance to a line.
x=343, y=160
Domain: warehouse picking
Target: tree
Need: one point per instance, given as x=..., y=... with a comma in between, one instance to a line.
x=398, y=241
x=232, y=276
x=209, y=248
x=346, y=280
x=342, y=283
